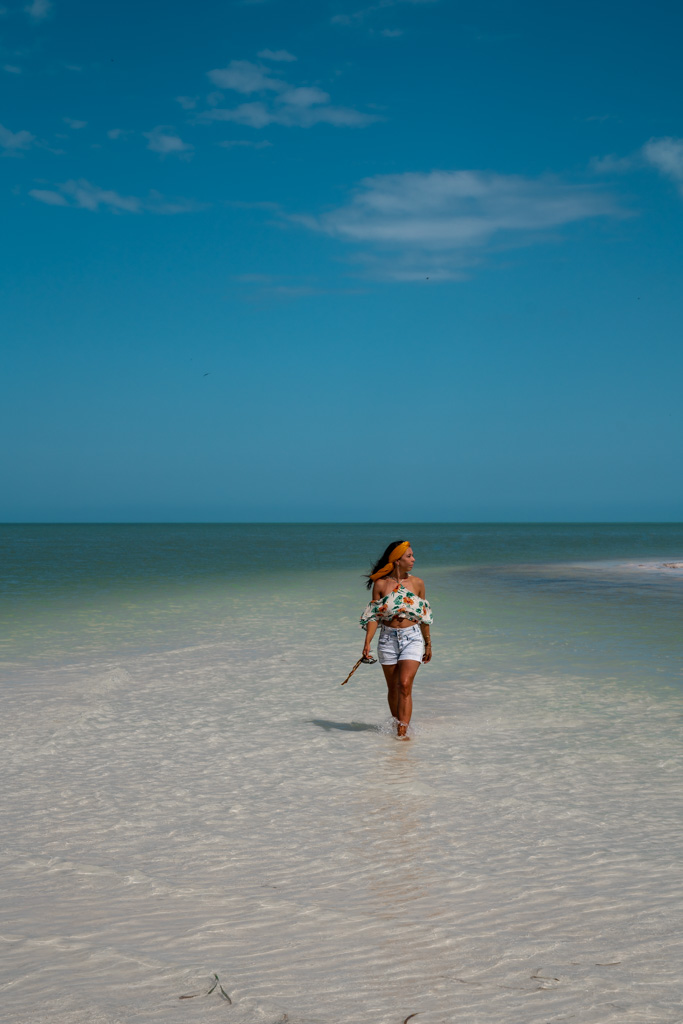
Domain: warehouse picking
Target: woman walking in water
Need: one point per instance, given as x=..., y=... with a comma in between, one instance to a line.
x=398, y=604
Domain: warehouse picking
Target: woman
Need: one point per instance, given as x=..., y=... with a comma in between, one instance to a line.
x=398, y=603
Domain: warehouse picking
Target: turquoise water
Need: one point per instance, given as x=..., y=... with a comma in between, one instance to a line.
x=520, y=596
x=188, y=791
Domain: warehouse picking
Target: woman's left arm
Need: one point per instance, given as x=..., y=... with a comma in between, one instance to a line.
x=427, y=656
x=424, y=628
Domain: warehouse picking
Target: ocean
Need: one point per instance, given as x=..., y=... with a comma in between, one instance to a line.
x=190, y=795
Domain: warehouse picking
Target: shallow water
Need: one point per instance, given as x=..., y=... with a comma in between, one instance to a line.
x=190, y=791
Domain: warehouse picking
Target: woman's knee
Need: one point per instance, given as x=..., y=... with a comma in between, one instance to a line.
x=405, y=687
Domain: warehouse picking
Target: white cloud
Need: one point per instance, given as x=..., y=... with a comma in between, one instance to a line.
x=414, y=224
x=74, y=124
x=116, y=133
x=38, y=9
x=663, y=154
x=11, y=69
x=187, y=102
x=667, y=156
x=255, y=115
x=304, y=96
x=280, y=55
x=245, y=77
x=258, y=115
x=291, y=106
x=15, y=142
x=44, y=195
x=611, y=164
x=382, y=5
x=91, y=197
x=230, y=143
x=161, y=141
x=157, y=203
x=82, y=195
x=392, y=33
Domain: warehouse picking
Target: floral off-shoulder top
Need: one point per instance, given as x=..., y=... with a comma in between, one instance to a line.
x=399, y=604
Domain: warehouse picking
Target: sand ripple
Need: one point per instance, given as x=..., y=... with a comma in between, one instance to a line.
x=205, y=811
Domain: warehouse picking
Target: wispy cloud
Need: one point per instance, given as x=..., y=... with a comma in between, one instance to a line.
x=611, y=164
x=258, y=115
x=49, y=196
x=666, y=155
x=255, y=287
x=290, y=105
x=38, y=10
x=162, y=140
x=187, y=102
x=283, y=55
x=83, y=195
x=231, y=143
x=76, y=125
x=245, y=77
x=11, y=69
x=15, y=142
x=360, y=15
x=663, y=154
x=408, y=226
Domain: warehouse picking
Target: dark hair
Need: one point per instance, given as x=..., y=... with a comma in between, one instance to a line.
x=382, y=561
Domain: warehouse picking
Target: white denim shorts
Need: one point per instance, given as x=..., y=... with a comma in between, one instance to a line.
x=396, y=645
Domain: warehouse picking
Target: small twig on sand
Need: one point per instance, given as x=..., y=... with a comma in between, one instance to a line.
x=410, y=1017
x=542, y=977
x=216, y=985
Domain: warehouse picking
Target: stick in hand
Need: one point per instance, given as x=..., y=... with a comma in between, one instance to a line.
x=361, y=661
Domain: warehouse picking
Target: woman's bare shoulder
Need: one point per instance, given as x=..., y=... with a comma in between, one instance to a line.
x=380, y=589
x=417, y=585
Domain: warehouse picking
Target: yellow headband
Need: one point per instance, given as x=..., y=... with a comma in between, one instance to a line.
x=397, y=553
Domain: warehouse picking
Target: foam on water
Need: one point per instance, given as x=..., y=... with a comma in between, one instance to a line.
x=223, y=806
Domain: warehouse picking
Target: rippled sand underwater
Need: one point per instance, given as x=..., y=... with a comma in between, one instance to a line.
x=221, y=806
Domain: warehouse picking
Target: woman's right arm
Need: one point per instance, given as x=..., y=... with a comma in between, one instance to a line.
x=377, y=592
x=371, y=630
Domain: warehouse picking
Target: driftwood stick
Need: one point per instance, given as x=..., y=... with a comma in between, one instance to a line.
x=352, y=671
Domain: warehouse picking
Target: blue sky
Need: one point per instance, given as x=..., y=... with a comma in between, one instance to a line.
x=413, y=261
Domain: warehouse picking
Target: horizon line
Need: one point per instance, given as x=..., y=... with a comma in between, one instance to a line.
x=342, y=522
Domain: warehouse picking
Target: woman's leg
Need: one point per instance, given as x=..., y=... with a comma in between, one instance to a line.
x=392, y=677
x=407, y=671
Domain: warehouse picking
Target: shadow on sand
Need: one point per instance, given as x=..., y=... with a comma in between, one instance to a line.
x=343, y=726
